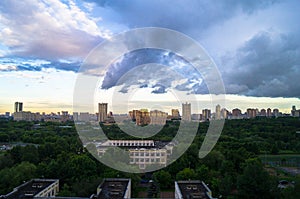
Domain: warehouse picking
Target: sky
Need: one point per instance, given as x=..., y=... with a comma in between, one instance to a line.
x=254, y=44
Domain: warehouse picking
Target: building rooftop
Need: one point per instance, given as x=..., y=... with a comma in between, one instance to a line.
x=113, y=188
x=29, y=189
x=133, y=144
x=194, y=189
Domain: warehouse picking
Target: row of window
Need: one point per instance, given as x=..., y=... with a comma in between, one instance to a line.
x=152, y=160
x=147, y=154
x=131, y=144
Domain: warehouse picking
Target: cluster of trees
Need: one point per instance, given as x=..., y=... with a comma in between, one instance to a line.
x=232, y=169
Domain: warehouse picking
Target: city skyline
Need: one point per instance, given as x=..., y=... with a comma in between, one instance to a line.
x=283, y=107
x=185, y=112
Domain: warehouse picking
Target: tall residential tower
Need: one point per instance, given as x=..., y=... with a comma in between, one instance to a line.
x=102, y=112
x=18, y=107
x=186, y=112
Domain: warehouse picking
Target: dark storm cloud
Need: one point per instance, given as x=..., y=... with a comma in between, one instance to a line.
x=250, y=74
x=190, y=17
x=158, y=89
x=267, y=65
x=153, y=68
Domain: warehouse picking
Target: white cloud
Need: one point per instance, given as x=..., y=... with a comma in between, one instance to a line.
x=48, y=29
x=7, y=67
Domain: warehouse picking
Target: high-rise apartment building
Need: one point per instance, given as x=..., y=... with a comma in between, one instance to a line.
x=158, y=117
x=175, y=113
x=269, y=112
x=263, y=112
x=293, y=111
x=18, y=107
x=142, y=117
x=206, y=114
x=276, y=112
x=224, y=113
x=186, y=112
x=218, y=112
x=102, y=112
x=251, y=113
x=236, y=113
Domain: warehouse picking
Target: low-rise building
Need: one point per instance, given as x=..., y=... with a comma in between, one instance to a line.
x=113, y=188
x=35, y=188
x=141, y=152
x=27, y=116
x=192, y=189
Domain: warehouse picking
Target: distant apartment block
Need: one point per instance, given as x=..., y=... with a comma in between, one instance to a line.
x=276, y=112
x=75, y=116
x=18, y=107
x=84, y=117
x=186, y=112
x=263, y=112
x=35, y=188
x=158, y=117
x=196, y=117
x=252, y=113
x=218, y=112
x=206, y=114
x=236, y=113
x=27, y=116
x=102, y=112
x=144, y=117
x=224, y=113
x=295, y=112
x=192, y=189
x=175, y=114
x=269, y=112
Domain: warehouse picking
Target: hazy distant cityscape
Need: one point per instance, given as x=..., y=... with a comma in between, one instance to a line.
x=143, y=116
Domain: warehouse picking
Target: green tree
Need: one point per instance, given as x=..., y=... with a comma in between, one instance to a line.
x=14, y=176
x=214, y=160
x=186, y=174
x=81, y=166
x=254, y=182
x=202, y=173
x=226, y=185
x=30, y=154
x=164, y=179
x=274, y=149
x=4, y=137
